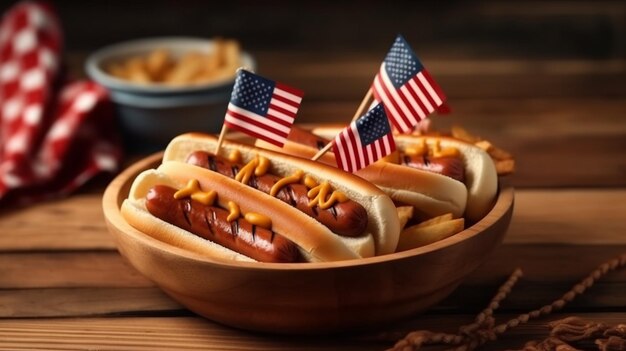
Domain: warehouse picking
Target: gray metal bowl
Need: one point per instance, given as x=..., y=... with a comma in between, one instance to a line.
x=150, y=115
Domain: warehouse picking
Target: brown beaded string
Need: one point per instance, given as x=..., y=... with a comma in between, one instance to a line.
x=482, y=329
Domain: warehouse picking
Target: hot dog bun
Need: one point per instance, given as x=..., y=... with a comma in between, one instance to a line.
x=481, y=177
x=430, y=193
x=316, y=242
x=383, y=225
x=135, y=213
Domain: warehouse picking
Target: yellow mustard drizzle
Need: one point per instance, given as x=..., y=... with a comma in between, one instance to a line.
x=233, y=211
x=192, y=189
x=319, y=196
x=309, y=182
x=417, y=149
x=433, y=149
x=438, y=151
x=258, y=220
x=257, y=166
x=294, y=178
x=234, y=156
x=264, y=165
x=246, y=171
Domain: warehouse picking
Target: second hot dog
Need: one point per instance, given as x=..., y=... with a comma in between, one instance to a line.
x=443, y=174
x=349, y=207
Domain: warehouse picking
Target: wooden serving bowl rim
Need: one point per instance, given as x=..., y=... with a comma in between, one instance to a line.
x=117, y=191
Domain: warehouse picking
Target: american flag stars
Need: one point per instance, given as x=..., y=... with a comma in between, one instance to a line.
x=401, y=63
x=406, y=89
x=364, y=141
x=262, y=108
x=252, y=92
x=374, y=126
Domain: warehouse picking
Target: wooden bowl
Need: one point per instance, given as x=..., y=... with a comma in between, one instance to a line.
x=307, y=297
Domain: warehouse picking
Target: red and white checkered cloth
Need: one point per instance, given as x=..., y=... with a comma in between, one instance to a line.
x=54, y=136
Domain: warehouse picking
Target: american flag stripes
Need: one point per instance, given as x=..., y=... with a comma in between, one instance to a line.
x=262, y=108
x=364, y=141
x=405, y=87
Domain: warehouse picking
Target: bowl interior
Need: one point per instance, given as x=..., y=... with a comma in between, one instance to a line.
x=176, y=45
x=325, y=297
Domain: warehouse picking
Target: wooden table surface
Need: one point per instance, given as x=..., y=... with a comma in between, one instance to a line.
x=64, y=286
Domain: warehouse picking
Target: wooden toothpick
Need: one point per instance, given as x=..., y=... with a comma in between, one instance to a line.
x=359, y=111
x=220, y=140
x=364, y=104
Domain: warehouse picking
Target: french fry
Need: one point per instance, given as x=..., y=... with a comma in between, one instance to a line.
x=117, y=70
x=459, y=132
x=185, y=70
x=230, y=55
x=505, y=167
x=157, y=64
x=505, y=163
x=404, y=214
x=194, y=67
x=135, y=68
x=416, y=236
x=435, y=220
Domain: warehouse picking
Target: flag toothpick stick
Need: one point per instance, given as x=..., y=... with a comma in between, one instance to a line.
x=366, y=100
x=322, y=151
x=359, y=112
x=220, y=140
x=260, y=107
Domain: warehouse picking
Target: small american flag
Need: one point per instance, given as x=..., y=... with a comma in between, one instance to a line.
x=364, y=141
x=262, y=108
x=405, y=87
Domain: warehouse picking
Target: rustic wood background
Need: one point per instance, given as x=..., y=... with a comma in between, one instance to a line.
x=545, y=80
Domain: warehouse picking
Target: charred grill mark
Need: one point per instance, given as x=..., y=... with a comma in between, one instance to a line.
x=426, y=160
x=253, y=232
x=291, y=195
x=272, y=237
x=407, y=159
x=234, y=227
x=253, y=182
x=333, y=211
x=320, y=144
x=211, y=162
x=234, y=169
x=207, y=222
x=314, y=210
x=186, y=209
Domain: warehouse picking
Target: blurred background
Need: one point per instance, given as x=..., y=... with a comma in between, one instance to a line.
x=564, y=47
x=526, y=60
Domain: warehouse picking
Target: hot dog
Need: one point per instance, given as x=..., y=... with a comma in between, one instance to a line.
x=434, y=174
x=187, y=224
x=344, y=218
x=212, y=223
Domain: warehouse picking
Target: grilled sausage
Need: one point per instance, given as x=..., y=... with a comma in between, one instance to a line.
x=210, y=222
x=346, y=218
x=450, y=166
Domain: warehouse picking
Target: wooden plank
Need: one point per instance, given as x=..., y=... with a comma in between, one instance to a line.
x=347, y=76
x=68, y=269
x=63, y=302
x=592, y=216
x=76, y=222
x=69, y=282
x=556, y=142
x=584, y=217
x=191, y=333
